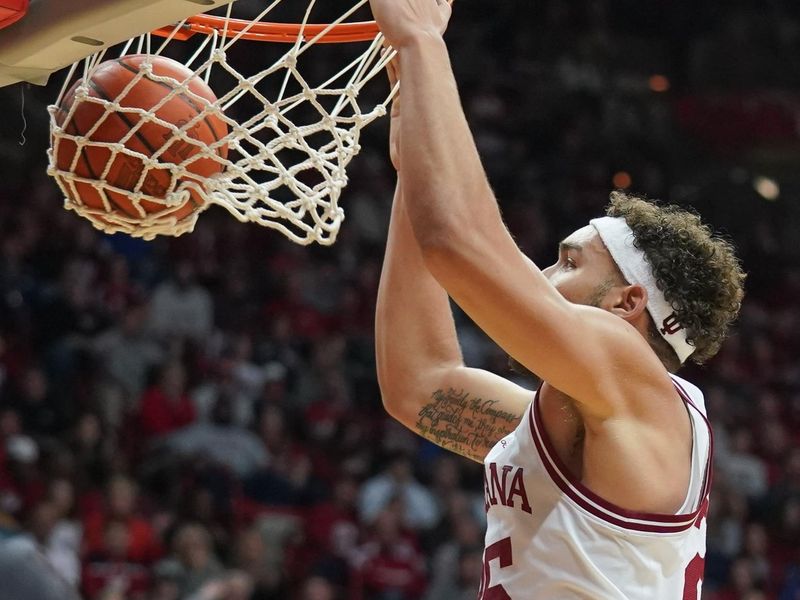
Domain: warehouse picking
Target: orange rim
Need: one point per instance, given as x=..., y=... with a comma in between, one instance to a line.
x=364, y=31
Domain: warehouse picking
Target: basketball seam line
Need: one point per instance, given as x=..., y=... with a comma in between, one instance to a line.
x=78, y=131
x=97, y=88
x=183, y=97
x=124, y=118
x=74, y=124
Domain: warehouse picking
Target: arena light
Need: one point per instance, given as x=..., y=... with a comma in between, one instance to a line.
x=767, y=188
x=658, y=83
x=622, y=180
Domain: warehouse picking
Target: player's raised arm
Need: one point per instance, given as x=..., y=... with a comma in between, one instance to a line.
x=423, y=380
x=464, y=242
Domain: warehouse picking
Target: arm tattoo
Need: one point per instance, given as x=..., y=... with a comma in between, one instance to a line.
x=464, y=424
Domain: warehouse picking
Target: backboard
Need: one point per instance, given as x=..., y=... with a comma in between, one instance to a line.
x=57, y=33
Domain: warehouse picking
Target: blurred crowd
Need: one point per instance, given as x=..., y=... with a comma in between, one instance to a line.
x=198, y=418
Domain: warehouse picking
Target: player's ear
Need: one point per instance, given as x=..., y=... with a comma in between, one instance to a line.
x=630, y=302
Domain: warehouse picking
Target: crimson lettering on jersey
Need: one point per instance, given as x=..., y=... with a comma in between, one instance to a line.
x=502, y=483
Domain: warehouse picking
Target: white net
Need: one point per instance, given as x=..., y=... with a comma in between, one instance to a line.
x=282, y=163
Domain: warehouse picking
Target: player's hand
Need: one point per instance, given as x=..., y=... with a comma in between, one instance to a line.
x=393, y=71
x=401, y=21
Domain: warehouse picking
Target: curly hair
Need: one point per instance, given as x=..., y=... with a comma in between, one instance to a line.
x=697, y=270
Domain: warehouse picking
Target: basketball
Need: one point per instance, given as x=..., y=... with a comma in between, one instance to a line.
x=108, y=82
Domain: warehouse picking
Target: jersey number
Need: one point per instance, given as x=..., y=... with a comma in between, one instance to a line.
x=694, y=570
x=501, y=549
x=692, y=576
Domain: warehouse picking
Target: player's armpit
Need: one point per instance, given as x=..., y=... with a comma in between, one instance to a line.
x=464, y=410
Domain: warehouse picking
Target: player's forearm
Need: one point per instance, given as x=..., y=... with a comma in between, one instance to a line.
x=447, y=190
x=414, y=329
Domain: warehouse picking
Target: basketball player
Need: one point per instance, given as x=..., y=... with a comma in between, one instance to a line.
x=596, y=486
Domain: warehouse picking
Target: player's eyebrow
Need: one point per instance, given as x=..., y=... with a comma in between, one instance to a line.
x=563, y=246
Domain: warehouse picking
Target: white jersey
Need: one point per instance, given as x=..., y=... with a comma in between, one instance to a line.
x=549, y=537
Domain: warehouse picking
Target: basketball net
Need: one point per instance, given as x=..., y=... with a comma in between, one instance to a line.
x=282, y=174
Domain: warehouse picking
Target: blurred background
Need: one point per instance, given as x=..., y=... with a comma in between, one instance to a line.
x=198, y=418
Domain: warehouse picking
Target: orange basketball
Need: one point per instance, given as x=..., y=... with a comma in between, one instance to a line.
x=108, y=81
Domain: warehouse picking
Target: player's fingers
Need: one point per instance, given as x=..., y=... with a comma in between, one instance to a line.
x=392, y=71
x=391, y=66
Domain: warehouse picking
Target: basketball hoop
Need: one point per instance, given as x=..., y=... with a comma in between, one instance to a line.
x=364, y=31
x=291, y=135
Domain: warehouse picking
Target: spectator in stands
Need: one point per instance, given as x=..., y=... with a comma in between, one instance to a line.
x=332, y=532
x=60, y=550
x=288, y=479
x=21, y=482
x=459, y=583
x=126, y=354
x=785, y=537
x=94, y=450
x=397, y=483
x=742, y=469
x=232, y=585
x=121, y=508
x=325, y=520
x=220, y=440
x=787, y=488
x=165, y=407
x=109, y=570
x=180, y=306
x=118, y=290
x=239, y=378
x=389, y=564
x=756, y=550
x=463, y=534
x=318, y=588
x=165, y=586
x=41, y=413
x=66, y=536
x=252, y=556
x=192, y=562
x=742, y=583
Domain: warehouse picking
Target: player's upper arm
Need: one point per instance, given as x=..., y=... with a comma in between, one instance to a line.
x=461, y=409
x=577, y=349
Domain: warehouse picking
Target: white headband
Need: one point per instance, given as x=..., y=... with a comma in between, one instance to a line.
x=619, y=238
